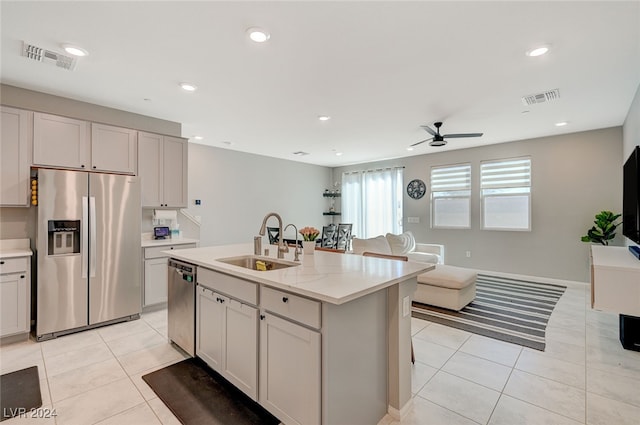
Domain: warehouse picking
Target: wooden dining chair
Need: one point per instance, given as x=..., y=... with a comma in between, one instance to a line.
x=388, y=256
x=338, y=251
x=392, y=257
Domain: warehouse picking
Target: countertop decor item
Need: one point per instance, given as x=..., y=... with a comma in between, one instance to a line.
x=309, y=233
x=604, y=229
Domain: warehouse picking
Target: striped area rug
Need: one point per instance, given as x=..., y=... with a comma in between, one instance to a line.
x=511, y=310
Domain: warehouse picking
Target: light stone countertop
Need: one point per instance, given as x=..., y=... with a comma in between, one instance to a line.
x=149, y=242
x=324, y=276
x=13, y=248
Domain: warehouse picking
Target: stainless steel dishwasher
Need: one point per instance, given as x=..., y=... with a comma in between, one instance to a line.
x=181, y=305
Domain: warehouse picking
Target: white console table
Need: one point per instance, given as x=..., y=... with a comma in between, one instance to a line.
x=615, y=280
x=615, y=287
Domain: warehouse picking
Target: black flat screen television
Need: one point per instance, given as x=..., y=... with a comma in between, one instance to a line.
x=630, y=197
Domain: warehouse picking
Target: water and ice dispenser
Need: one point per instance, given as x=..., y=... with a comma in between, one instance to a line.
x=64, y=237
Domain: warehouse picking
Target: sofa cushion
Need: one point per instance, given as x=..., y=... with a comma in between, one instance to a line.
x=401, y=244
x=378, y=244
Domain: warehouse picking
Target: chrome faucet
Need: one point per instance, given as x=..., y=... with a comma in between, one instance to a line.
x=282, y=248
x=296, y=250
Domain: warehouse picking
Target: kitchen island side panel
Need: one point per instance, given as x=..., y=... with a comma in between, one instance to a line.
x=354, y=360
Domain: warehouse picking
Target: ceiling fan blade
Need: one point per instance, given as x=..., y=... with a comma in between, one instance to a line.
x=422, y=141
x=451, y=136
x=428, y=130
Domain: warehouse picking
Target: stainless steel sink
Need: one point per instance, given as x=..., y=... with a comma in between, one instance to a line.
x=251, y=262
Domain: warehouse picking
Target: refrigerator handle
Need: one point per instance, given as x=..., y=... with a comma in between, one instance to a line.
x=92, y=236
x=85, y=236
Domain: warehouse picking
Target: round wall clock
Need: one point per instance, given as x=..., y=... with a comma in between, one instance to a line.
x=416, y=189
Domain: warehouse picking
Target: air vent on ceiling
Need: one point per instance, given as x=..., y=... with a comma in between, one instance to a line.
x=47, y=56
x=543, y=97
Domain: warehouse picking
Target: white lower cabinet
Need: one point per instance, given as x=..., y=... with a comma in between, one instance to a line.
x=290, y=370
x=15, y=290
x=227, y=338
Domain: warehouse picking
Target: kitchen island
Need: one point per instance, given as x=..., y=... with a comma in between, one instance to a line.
x=326, y=341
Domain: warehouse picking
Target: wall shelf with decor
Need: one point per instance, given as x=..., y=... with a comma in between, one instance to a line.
x=332, y=195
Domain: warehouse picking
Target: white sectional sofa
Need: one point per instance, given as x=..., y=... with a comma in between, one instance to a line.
x=404, y=244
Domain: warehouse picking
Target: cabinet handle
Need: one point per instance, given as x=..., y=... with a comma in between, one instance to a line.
x=82, y=166
x=94, y=167
x=285, y=299
x=1, y=262
x=21, y=276
x=262, y=316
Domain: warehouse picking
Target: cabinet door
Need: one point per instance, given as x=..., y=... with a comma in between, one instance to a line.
x=14, y=160
x=210, y=327
x=60, y=142
x=113, y=149
x=241, y=365
x=155, y=281
x=289, y=370
x=150, y=168
x=13, y=304
x=175, y=172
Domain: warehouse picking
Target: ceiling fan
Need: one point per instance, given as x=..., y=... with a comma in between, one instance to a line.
x=438, y=139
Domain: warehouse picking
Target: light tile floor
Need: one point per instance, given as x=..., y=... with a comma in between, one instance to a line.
x=583, y=377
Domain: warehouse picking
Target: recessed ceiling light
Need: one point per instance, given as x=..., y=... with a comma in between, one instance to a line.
x=198, y=137
x=538, y=51
x=324, y=117
x=338, y=153
x=410, y=148
x=188, y=86
x=561, y=123
x=74, y=50
x=258, y=34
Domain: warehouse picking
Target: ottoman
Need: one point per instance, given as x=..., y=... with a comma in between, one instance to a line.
x=446, y=286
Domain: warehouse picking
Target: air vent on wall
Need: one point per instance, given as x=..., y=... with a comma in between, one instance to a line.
x=47, y=56
x=543, y=97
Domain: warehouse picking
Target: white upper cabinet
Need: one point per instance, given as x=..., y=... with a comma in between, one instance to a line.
x=113, y=149
x=162, y=167
x=61, y=142
x=14, y=157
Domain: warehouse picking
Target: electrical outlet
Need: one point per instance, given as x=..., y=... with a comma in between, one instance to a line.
x=413, y=219
x=468, y=254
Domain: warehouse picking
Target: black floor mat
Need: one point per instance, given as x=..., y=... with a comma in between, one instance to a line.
x=198, y=395
x=19, y=393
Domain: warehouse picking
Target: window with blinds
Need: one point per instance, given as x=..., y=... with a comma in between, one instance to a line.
x=451, y=197
x=505, y=191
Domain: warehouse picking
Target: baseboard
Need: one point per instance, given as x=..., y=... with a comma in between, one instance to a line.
x=401, y=414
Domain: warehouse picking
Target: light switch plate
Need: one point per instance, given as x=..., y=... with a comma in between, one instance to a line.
x=413, y=219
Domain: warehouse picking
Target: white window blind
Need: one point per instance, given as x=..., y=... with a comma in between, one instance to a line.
x=451, y=196
x=372, y=201
x=506, y=194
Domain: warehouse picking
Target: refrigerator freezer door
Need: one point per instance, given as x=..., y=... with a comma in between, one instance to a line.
x=115, y=291
x=61, y=289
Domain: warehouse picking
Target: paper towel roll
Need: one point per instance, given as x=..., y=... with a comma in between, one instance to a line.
x=165, y=215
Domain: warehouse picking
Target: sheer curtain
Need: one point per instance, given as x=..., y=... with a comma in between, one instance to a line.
x=372, y=201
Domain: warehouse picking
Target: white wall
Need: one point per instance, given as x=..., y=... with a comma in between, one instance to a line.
x=574, y=176
x=238, y=189
x=631, y=133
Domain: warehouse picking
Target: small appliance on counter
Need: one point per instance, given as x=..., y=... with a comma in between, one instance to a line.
x=161, y=232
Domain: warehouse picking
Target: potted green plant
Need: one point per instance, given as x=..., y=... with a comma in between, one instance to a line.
x=604, y=229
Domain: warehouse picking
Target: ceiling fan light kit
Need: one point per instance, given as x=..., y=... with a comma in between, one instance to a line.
x=438, y=139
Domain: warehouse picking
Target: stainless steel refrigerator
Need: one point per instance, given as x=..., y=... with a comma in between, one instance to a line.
x=88, y=251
